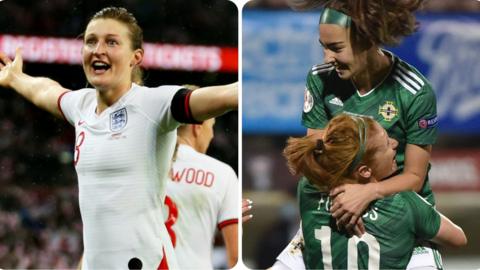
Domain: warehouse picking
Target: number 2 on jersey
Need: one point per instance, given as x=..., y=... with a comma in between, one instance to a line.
x=171, y=219
x=324, y=235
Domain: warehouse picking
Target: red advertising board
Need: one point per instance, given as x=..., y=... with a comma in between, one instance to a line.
x=159, y=56
x=455, y=170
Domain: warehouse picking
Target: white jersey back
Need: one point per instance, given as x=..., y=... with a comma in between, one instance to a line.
x=205, y=192
x=122, y=159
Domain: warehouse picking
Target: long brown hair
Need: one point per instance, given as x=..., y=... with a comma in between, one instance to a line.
x=325, y=161
x=378, y=22
x=135, y=32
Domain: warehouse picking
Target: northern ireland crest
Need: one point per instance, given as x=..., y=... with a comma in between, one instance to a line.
x=118, y=120
x=388, y=111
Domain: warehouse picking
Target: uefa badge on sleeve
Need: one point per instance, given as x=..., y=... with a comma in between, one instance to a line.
x=428, y=122
x=307, y=101
x=118, y=120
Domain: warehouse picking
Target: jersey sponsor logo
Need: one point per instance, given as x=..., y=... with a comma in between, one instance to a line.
x=81, y=122
x=428, y=123
x=388, y=111
x=194, y=176
x=118, y=120
x=420, y=250
x=307, y=101
x=336, y=101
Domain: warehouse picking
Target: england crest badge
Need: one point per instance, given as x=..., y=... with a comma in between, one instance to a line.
x=118, y=120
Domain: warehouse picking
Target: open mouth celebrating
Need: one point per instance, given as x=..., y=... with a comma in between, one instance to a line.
x=100, y=67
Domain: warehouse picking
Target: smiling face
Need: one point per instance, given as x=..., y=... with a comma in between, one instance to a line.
x=339, y=50
x=108, y=57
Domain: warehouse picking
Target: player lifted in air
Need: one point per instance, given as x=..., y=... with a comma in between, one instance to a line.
x=360, y=78
x=357, y=150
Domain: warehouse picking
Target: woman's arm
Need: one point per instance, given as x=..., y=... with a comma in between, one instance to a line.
x=355, y=197
x=449, y=234
x=230, y=237
x=413, y=175
x=43, y=92
x=212, y=101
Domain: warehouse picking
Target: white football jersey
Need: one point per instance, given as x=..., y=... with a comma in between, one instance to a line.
x=122, y=158
x=204, y=192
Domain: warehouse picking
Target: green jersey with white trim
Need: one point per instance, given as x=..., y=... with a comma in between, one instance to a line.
x=394, y=225
x=403, y=103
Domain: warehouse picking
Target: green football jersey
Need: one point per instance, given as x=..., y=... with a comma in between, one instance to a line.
x=394, y=225
x=403, y=103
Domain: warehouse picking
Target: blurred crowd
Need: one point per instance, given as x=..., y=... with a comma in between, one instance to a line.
x=179, y=21
x=40, y=224
x=39, y=228
x=36, y=149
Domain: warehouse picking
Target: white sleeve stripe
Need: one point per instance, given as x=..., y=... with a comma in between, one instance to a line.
x=315, y=72
x=322, y=66
x=404, y=84
x=408, y=79
x=423, y=199
x=412, y=74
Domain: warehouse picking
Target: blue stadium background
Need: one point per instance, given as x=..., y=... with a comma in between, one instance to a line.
x=279, y=47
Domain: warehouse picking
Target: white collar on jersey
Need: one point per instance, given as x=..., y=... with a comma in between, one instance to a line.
x=384, y=78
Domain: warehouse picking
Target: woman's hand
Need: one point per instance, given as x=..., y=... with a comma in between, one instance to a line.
x=349, y=203
x=42, y=92
x=246, y=206
x=10, y=69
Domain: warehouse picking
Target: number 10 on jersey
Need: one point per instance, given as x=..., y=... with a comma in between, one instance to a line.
x=324, y=235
